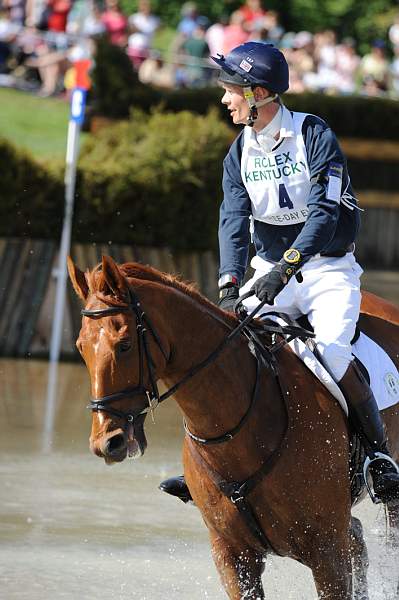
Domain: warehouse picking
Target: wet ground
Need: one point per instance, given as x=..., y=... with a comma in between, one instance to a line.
x=73, y=528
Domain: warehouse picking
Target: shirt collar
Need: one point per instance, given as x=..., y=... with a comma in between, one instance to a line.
x=272, y=128
x=287, y=124
x=282, y=124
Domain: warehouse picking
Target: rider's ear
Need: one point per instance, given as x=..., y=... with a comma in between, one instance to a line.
x=114, y=279
x=78, y=280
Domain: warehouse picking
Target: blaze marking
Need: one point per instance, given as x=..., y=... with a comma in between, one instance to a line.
x=96, y=347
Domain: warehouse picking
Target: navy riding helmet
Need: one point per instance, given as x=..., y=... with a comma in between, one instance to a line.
x=255, y=63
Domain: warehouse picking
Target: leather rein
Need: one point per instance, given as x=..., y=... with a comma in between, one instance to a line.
x=152, y=394
x=235, y=491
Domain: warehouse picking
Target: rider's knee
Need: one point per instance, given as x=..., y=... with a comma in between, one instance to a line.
x=336, y=358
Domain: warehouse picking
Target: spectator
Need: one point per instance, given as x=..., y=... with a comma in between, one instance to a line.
x=51, y=65
x=153, y=70
x=253, y=15
x=374, y=70
x=115, y=23
x=16, y=11
x=347, y=66
x=394, y=73
x=189, y=19
x=302, y=59
x=197, y=50
x=84, y=20
x=49, y=55
x=215, y=36
x=142, y=26
x=53, y=16
x=234, y=33
x=296, y=85
x=33, y=10
x=326, y=59
x=271, y=31
x=8, y=34
x=393, y=32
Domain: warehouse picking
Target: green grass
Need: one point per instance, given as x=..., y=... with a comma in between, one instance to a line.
x=38, y=125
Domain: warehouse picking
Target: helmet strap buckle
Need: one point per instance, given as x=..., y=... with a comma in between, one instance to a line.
x=253, y=104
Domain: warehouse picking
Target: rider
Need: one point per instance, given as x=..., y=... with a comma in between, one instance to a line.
x=287, y=189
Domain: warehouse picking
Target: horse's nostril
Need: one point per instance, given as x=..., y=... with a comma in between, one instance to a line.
x=115, y=444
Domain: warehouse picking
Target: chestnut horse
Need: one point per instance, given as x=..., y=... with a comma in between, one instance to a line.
x=290, y=442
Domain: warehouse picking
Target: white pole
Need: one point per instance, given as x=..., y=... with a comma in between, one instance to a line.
x=72, y=153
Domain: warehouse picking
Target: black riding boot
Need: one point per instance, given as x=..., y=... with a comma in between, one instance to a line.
x=176, y=486
x=365, y=416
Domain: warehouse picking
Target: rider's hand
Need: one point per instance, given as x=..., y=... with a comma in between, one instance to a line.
x=266, y=288
x=228, y=297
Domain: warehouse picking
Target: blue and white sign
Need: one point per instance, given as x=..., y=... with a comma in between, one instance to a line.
x=78, y=103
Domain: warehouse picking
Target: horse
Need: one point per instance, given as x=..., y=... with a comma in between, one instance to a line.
x=266, y=450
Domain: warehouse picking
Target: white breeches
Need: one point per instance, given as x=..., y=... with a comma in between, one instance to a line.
x=329, y=296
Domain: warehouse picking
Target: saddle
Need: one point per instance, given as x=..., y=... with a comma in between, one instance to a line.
x=357, y=452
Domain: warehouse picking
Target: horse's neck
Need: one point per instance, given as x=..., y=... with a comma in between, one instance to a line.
x=214, y=398
x=217, y=398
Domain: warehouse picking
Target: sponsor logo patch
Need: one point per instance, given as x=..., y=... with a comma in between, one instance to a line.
x=334, y=174
x=245, y=66
x=392, y=384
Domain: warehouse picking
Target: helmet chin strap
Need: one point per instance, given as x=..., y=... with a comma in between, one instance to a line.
x=253, y=105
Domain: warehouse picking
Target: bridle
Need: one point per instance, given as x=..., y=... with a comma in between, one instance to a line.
x=143, y=326
x=236, y=491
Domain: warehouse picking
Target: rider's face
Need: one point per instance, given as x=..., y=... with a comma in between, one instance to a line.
x=234, y=100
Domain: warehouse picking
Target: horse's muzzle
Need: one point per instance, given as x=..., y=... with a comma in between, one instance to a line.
x=118, y=445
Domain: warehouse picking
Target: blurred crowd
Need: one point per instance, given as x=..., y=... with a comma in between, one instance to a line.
x=42, y=41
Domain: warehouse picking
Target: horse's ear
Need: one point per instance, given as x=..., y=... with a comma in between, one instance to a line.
x=114, y=279
x=78, y=280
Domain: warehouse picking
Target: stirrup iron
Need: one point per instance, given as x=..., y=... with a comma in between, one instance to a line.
x=367, y=463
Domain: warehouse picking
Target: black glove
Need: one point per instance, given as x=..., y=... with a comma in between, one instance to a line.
x=228, y=297
x=271, y=284
x=268, y=286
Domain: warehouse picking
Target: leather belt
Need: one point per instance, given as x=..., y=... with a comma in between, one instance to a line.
x=340, y=252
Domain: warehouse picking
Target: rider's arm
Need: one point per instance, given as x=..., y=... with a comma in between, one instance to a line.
x=235, y=210
x=320, y=228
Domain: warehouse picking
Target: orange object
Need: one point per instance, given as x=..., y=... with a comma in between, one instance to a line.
x=82, y=78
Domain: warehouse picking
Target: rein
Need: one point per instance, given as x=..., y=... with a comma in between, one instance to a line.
x=235, y=491
x=143, y=324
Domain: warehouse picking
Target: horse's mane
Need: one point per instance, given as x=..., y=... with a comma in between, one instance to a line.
x=133, y=270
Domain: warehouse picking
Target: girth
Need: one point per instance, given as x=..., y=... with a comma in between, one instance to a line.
x=237, y=491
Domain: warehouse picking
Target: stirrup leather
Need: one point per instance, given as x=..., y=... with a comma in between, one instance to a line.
x=367, y=463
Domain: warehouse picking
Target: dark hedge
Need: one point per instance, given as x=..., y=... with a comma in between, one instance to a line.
x=31, y=196
x=152, y=180
x=155, y=180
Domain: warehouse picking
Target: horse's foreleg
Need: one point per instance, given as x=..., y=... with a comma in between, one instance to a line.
x=332, y=570
x=240, y=570
x=360, y=561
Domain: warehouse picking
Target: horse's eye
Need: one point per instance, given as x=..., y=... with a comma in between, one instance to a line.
x=124, y=345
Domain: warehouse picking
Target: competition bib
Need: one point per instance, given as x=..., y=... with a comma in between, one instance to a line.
x=278, y=182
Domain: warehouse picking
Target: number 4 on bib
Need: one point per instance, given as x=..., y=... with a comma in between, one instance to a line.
x=283, y=198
